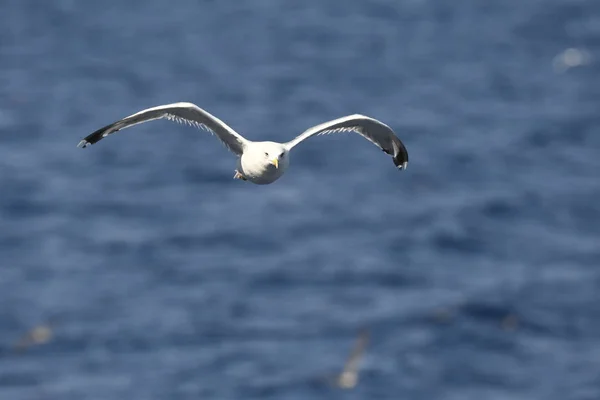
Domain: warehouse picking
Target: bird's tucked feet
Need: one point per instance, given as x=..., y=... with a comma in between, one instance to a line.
x=239, y=176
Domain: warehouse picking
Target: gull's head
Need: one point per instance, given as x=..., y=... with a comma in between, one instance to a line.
x=274, y=153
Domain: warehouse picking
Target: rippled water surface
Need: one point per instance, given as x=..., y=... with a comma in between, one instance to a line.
x=476, y=270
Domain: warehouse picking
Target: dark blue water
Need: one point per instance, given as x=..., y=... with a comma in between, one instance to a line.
x=476, y=270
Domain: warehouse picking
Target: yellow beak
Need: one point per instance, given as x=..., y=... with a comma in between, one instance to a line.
x=275, y=162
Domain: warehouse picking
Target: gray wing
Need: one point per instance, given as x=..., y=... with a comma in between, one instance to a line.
x=187, y=113
x=353, y=361
x=371, y=129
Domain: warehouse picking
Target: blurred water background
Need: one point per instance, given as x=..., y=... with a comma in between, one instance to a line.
x=476, y=270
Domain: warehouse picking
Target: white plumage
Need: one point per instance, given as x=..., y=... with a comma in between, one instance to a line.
x=260, y=162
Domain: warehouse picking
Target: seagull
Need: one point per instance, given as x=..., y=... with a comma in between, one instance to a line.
x=348, y=377
x=38, y=335
x=263, y=162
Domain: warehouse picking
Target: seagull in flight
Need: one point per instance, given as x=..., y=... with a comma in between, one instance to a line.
x=39, y=334
x=347, y=378
x=260, y=162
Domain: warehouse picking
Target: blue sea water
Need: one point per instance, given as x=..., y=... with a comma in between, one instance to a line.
x=476, y=270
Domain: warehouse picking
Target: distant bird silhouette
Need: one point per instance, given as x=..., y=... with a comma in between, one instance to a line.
x=348, y=377
x=38, y=335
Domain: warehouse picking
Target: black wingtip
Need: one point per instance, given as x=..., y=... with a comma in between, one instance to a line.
x=96, y=136
x=400, y=164
x=400, y=154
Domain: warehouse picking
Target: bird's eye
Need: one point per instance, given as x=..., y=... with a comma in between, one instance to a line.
x=266, y=154
x=281, y=155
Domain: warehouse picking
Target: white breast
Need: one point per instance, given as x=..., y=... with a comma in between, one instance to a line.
x=258, y=170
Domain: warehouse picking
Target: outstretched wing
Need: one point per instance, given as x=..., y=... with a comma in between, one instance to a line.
x=353, y=361
x=187, y=113
x=371, y=129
